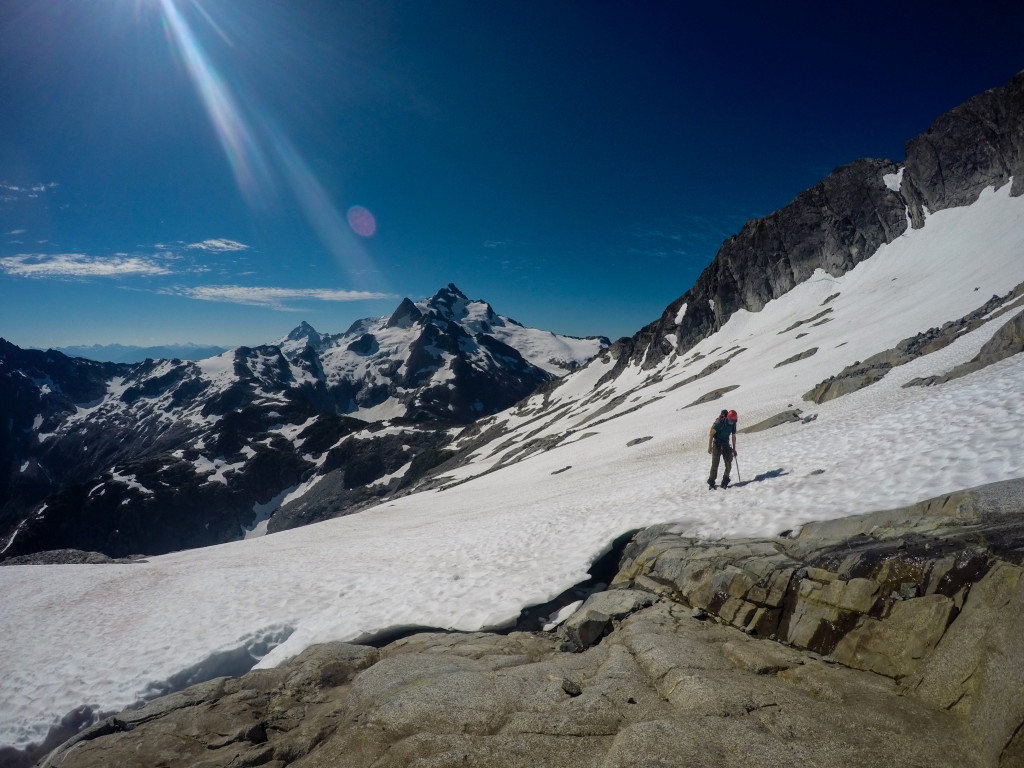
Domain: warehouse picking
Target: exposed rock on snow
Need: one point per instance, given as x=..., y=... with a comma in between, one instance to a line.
x=863, y=374
x=809, y=321
x=66, y=557
x=715, y=394
x=797, y=358
x=931, y=596
x=1007, y=341
x=786, y=417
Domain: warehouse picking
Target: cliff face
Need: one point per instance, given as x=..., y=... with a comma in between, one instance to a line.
x=976, y=145
x=844, y=219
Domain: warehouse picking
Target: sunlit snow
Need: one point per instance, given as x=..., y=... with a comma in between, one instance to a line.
x=474, y=554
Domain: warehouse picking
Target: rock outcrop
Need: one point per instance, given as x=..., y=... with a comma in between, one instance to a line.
x=663, y=689
x=66, y=557
x=899, y=639
x=1008, y=340
x=976, y=145
x=786, y=417
x=928, y=595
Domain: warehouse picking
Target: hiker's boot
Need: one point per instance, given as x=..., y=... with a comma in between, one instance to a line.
x=711, y=485
x=725, y=481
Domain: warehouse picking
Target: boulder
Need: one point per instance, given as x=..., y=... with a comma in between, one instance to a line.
x=594, y=618
x=977, y=668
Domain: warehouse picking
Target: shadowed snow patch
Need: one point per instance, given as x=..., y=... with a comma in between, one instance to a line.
x=228, y=663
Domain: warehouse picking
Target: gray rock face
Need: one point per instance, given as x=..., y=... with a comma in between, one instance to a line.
x=844, y=219
x=834, y=225
x=978, y=656
x=662, y=689
x=931, y=595
x=976, y=145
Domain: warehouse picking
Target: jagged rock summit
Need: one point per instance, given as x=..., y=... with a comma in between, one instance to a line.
x=842, y=220
x=447, y=358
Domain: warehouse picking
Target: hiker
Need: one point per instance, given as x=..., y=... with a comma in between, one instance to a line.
x=721, y=446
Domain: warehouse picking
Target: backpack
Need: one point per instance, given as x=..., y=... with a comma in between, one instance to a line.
x=722, y=429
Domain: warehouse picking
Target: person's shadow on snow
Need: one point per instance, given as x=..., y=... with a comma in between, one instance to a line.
x=762, y=477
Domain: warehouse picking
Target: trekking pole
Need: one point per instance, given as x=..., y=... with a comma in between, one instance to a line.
x=736, y=458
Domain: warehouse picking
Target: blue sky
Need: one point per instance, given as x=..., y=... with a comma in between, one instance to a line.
x=216, y=172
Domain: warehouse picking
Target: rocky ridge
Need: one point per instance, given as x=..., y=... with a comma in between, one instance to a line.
x=843, y=220
x=887, y=639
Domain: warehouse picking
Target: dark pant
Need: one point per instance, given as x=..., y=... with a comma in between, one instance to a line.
x=720, y=452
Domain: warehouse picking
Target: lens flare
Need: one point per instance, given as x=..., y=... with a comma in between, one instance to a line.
x=250, y=160
x=240, y=146
x=329, y=224
x=361, y=221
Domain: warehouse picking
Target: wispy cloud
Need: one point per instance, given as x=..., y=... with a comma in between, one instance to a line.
x=66, y=265
x=219, y=245
x=16, y=232
x=10, y=193
x=686, y=236
x=273, y=298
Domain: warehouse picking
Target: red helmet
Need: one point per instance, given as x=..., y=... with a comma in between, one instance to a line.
x=732, y=416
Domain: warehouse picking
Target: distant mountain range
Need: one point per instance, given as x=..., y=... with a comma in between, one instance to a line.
x=120, y=353
x=171, y=454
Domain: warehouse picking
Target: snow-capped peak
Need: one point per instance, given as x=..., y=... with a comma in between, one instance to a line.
x=304, y=331
x=302, y=336
x=449, y=303
x=404, y=316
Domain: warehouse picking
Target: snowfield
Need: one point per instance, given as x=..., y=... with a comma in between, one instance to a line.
x=473, y=554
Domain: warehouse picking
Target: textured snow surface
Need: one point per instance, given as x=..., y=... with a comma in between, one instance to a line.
x=475, y=554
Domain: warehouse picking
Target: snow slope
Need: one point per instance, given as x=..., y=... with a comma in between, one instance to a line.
x=473, y=554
